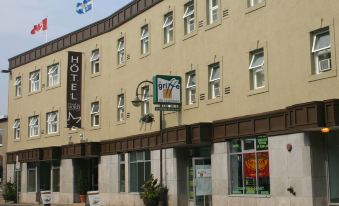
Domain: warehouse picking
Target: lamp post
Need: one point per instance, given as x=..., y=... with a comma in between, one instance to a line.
x=136, y=102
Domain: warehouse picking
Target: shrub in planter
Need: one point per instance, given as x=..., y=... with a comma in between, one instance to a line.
x=152, y=192
x=9, y=192
x=147, y=118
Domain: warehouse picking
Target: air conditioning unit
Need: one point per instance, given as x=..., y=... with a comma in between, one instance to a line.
x=324, y=65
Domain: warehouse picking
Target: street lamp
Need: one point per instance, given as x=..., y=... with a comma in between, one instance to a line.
x=137, y=102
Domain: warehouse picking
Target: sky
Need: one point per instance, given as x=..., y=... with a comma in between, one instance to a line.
x=19, y=16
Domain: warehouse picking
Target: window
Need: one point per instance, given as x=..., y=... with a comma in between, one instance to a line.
x=190, y=88
x=145, y=100
x=256, y=68
x=188, y=17
x=95, y=114
x=95, y=65
x=249, y=166
x=53, y=75
x=251, y=3
x=213, y=9
x=31, y=177
x=34, y=79
x=214, y=81
x=17, y=85
x=121, y=50
x=16, y=127
x=1, y=136
x=56, y=176
x=121, y=108
x=33, y=126
x=144, y=39
x=168, y=28
x=52, y=122
x=122, y=174
x=321, y=51
x=140, y=169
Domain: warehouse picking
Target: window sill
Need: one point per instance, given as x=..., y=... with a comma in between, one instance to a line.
x=53, y=87
x=168, y=45
x=190, y=106
x=256, y=7
x=257, y=91
x=17, y=97
x=95, y=127
x=16, y=140
x=95, y=75
x=120, y=122
x=190, y=35
x=52, y=134
x=213, y=25
x=214, y=101
x=324, y=75
x=33, y=138
x=144, y=55
x=121, y=65
x=33, y=93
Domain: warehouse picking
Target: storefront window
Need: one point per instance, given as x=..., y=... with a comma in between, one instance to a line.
x=333, y=167
x=31, y=178
x=121, y=172
x=140, y=169
x=249, y=163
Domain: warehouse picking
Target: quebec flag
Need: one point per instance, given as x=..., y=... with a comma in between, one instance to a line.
x=84, y=7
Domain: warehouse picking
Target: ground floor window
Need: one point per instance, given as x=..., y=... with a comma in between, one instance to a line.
x=249, y=166
x=139, y=169
x=56, y=176
x=122, y=174
x=333, y=166
x=31, y=177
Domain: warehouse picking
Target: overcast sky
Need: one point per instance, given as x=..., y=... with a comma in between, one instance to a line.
x=19, y=16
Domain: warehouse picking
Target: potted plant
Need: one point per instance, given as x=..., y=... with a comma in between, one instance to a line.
x=147, y=118
x=83, y=186
x=152, y=192
x=9, y=192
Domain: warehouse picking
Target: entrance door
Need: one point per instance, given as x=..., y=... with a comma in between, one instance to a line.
x=202, y=181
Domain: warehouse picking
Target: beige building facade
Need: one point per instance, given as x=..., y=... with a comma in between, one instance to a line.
x=258, y=83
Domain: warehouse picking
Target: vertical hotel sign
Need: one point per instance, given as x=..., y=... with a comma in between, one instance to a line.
x=74, y=69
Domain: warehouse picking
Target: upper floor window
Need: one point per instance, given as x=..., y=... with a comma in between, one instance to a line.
x=95, y=65
x=214, y=81
x=321, y=51
x=213, y=10
x=121, y=50
x=145, y=100
x=249, y=166
x=34, y=79
x=257, y=74
x=189, y=20
x=251, y=3
x=191, y=88
x=16, y=127
x=144, y=40
x=121, y=108
x=33, y=126
x=52, y=122
x=53, y=75
x=95, y=114
x=168, y=28
x=17, y=85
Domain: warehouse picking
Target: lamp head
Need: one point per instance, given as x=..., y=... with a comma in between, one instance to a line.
x=136, y=101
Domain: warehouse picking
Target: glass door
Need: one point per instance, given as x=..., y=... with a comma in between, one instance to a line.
x=202, y=181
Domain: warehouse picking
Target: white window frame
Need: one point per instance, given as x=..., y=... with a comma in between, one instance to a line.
x=30, y=168
x=144, y=38
x=213, y=10
x=33, y=126
x=95, y=114
x=53, y=75
x=318, y=53
x=121, y=50
x=95, y=61
x=121, y=108
x=189, y=18
x=16, y=127
x=168, y=27
x=122, y=163
x=52, y=122
x=256, y=69
x=191, y=88
x=34, y=79
x=252, y=3
x=214, y=83
x=145, y=100
x=17, y=84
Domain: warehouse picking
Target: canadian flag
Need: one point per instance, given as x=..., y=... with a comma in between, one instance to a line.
x=41, y=26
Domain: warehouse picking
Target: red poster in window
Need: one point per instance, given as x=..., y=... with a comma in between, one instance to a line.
x=250, y=165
